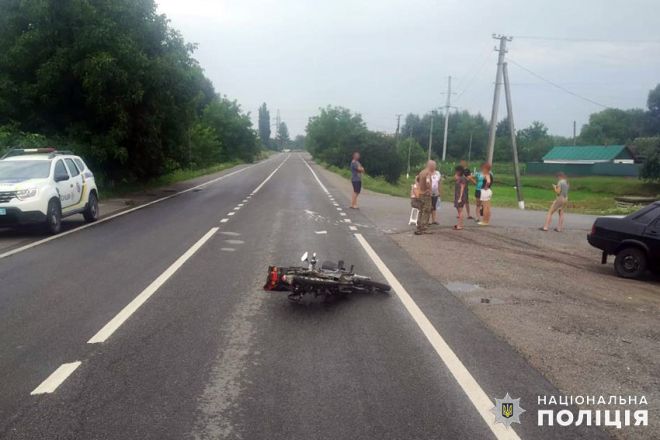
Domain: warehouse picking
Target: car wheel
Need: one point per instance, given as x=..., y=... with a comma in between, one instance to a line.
x=630, y=262
x=91, y=212
x=54, y=217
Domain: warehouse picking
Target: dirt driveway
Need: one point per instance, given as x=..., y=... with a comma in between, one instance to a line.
x=546, y=293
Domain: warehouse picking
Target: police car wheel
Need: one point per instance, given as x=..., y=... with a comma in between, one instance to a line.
x=54, y=217
x=91, y=212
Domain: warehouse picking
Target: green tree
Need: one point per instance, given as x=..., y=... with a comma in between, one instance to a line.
x=283, y=135
x=613, y=126
x=653, y=104
x=417, y=153
x=334, y=134
x=264, y=126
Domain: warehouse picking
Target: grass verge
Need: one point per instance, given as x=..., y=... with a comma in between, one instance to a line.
x=588, y=195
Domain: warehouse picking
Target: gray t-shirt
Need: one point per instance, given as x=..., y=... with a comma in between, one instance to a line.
x=356, y=176
x=563, y=188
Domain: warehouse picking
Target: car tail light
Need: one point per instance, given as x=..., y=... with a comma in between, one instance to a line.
x=593, y=229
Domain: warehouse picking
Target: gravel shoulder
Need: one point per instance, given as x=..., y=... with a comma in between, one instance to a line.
x=546, y=293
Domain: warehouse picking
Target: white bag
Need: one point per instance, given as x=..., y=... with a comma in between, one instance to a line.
x=486, y=195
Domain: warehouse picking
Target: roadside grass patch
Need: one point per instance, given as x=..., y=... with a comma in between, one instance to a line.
x=588, y=195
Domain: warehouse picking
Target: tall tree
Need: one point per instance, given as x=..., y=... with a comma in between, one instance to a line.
x=283, y=135
x=264, y=125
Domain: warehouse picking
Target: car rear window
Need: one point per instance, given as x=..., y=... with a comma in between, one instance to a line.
x=646, y=215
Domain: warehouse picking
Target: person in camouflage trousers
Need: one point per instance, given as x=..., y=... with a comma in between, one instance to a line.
x=424, y=195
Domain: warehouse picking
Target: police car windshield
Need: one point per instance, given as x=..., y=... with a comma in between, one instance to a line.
x=19, y=170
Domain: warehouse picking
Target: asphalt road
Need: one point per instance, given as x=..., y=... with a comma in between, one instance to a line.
x=199, y=351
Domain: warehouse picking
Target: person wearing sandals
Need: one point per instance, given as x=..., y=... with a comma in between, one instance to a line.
x=460, y=194
x=486, y=193
x=560, y=203
x=436, y=182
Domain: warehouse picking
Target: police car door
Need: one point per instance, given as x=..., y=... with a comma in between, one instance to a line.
x=64, y=184
x=77, y=181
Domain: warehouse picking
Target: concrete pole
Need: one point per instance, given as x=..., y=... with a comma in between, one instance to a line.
x=447, y=106
x=431, y=135
x=496, y=98
x=512, y=129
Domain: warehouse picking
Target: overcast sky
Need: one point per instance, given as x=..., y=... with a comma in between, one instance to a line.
x=383, y=57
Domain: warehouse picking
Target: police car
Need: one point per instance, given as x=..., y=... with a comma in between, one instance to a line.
x=43, y=185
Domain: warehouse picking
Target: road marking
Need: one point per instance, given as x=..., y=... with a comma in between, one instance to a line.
x=56, y=378
x=227, y=249
x=127, y=311
x=231, y=213
x=234, y=241
x=342, y=214
x=237, y=208
x=256, y=190
x=224, y=220
x=339, y=209
x=321, y=232
x=352, y=228
x=240, y=205
x=474, y=392
x=128, y=211
x=233, y=234
x=347, y=220
x=325, y=190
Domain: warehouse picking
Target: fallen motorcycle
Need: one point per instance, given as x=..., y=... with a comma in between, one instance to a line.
x=330, y=280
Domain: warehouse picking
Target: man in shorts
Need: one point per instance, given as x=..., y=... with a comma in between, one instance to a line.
x=356, y=178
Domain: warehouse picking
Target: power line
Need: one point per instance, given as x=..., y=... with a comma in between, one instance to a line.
x=583, y=40
x=554, y=84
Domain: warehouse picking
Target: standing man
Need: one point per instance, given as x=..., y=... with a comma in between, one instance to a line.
x=424, y=183
x=356, y=178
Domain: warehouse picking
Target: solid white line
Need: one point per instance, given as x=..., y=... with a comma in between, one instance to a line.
x=119, y=214
x=475, y=393
x=315, y=176
x=56, y=378
x=127, y=311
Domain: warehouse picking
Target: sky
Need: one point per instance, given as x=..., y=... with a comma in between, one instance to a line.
x=381, y=58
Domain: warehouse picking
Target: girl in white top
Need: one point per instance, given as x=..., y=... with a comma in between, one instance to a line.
x=436, y=182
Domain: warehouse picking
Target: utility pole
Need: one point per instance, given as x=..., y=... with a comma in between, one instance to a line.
x=496, y=98
x=470, y=148
x=512, y=129
x=431, y=134
x=574, y=133
x=409, y=146
x=398, y=125
x=447, y=106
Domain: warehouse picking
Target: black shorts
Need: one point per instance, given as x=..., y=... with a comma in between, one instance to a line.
x=434, y=202
x=477, y=194
x=357, y=187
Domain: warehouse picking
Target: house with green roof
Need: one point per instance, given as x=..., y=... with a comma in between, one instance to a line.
x=590, y=154
x=587, y=160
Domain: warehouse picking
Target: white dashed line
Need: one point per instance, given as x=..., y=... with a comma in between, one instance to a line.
x=56, y=378
x=127, y=311
x=237, y=208
x=234, y=241
x=342, y=214
x=321, y=232
x=339, y=209
x=119, y=214
x=232, y=234
x=347, y=220
x=227, y=249
x=240, y=205
x=231, y=213
x=352, y=228
x=224, y=220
